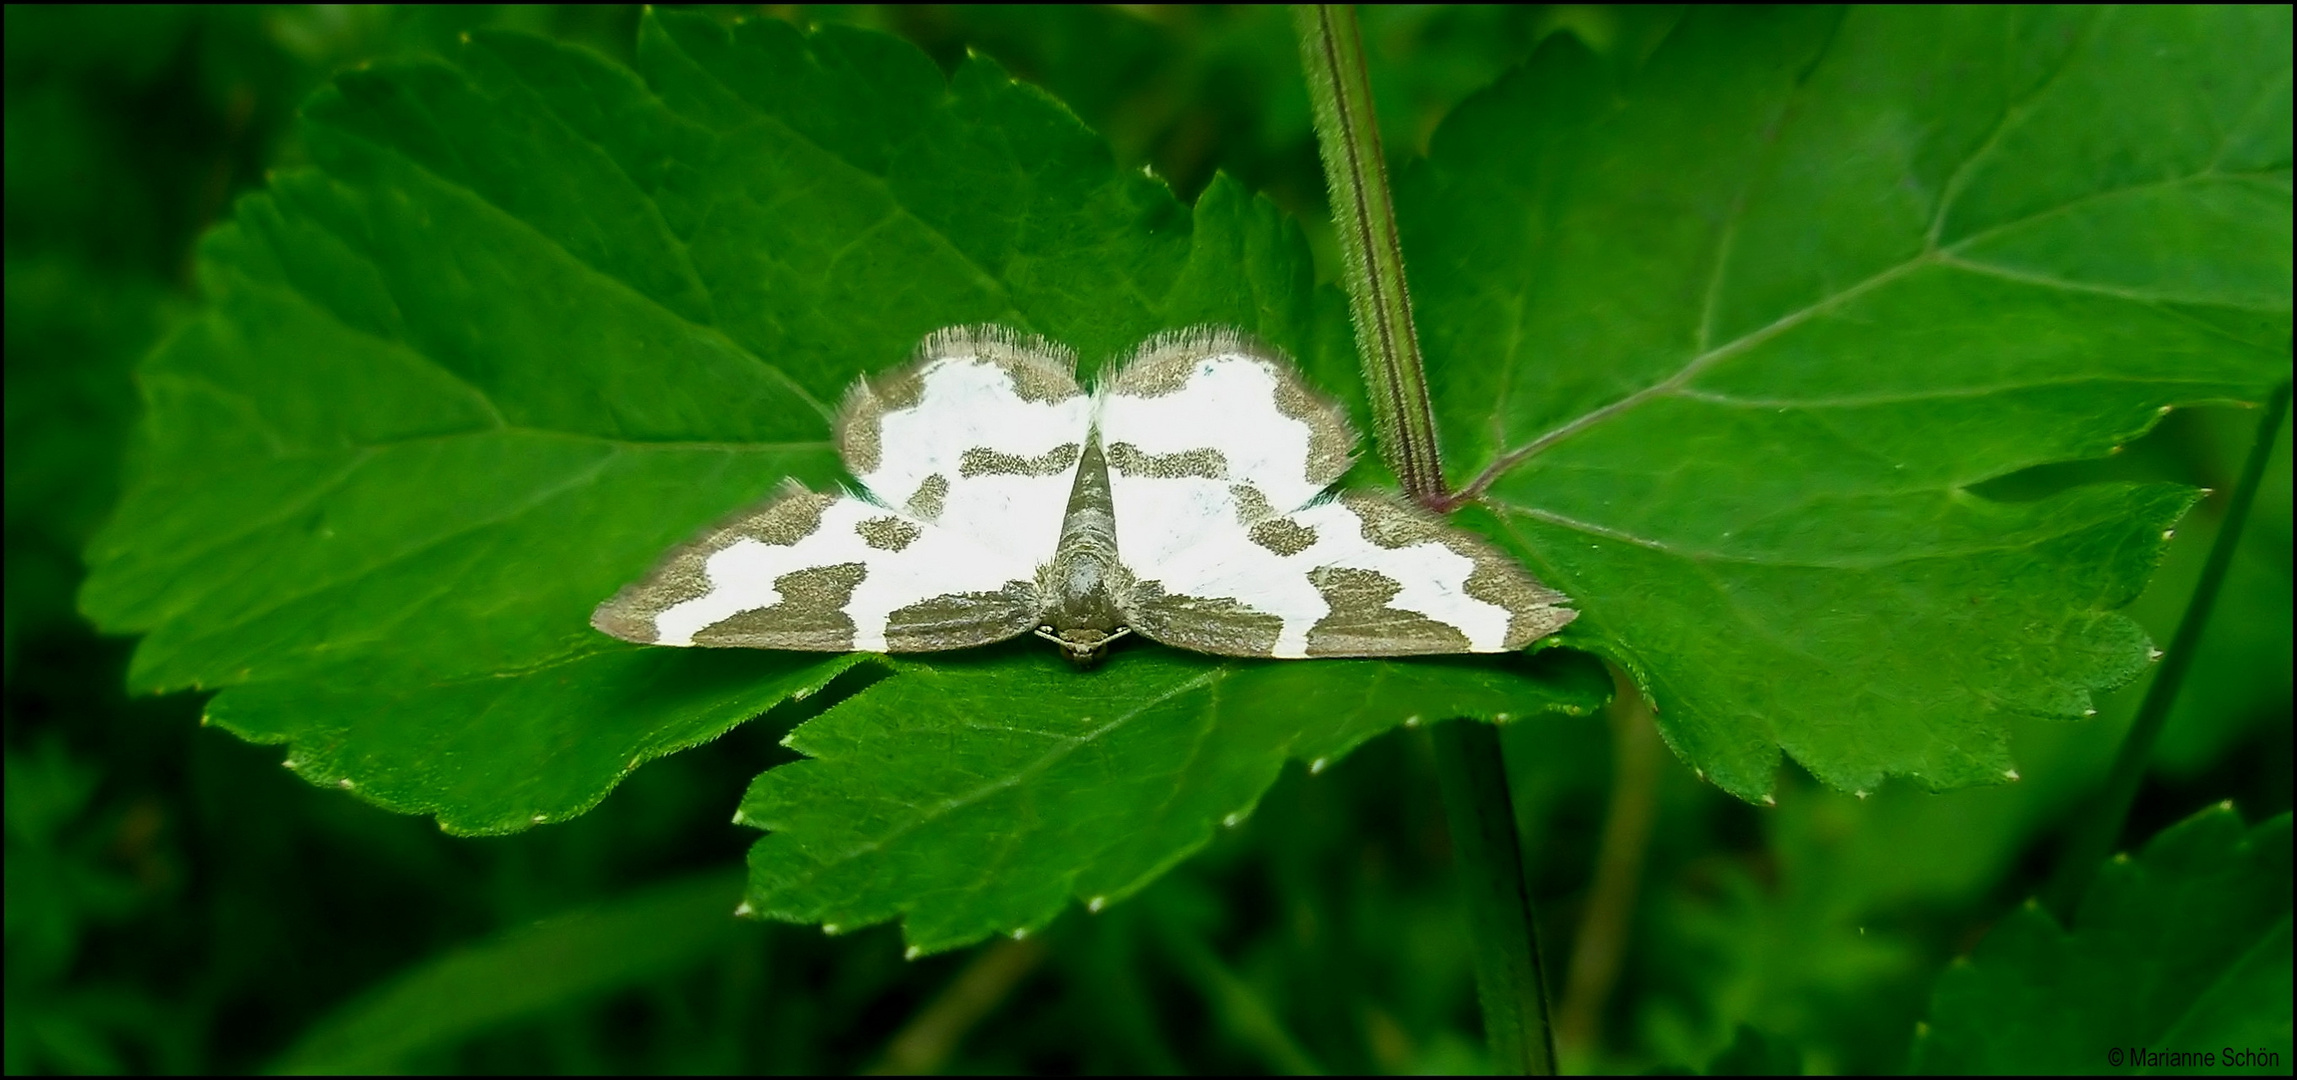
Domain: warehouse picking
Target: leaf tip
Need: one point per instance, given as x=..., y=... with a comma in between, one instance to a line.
x=912, y=953
x=1020, y=932
x=743, y=910
x=539, y=819
x=1862, y=793
x=1233, y=820
x=1319, y=765
x=291, y=763
x=2010, y=774
x=2168, y=535
x=1095, y=904
x=1411, y=721
x=2086, y=713
x=344, y=783
x=2152, y=655
x=829, y=928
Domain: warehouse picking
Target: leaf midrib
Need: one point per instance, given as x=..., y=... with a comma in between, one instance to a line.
x=361, y=455
x=2023, y=541
x=1044, y=762
x=279, y=599
x=479, y=198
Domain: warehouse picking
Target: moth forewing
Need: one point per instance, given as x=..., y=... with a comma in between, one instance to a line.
x=1206, y=430
x=979, y=434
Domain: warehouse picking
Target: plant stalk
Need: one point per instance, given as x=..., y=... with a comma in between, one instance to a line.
x=1509, y=983
x=1356, y=177
x=1637, y=755
x=926, y=1042
x=2102, y=827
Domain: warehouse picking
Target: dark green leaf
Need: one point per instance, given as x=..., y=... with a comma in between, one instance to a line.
x=979, y=795
x=2184, y=948
x=533, y=318
x=1733, y=337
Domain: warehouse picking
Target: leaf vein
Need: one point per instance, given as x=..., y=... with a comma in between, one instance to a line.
x=1854, y=402
x=2137, y=296
x=704, y=329
x=2012, y=114
x=285, y=597
x=927, y=814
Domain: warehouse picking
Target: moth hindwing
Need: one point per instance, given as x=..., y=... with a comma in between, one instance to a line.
x=1187, y=501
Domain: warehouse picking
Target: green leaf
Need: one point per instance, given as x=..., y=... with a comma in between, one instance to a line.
x=531, y=318
x=2183, y=949
x=979, y=794
x=526, y=972
x=1732, y=338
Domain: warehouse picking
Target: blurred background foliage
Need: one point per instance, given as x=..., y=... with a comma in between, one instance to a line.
x=177, y=902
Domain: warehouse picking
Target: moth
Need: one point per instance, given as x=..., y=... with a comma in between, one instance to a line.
x=1186, y=500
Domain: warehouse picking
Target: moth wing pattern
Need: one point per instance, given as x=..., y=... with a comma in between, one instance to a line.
x=1205, y=431
x=980, y=435
x=1219, y=458
x=1363, y=574
x=827, y=572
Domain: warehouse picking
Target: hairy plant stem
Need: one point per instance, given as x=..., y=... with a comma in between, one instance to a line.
x=2101, y=828
x=1356, y=176
x=1509, y=982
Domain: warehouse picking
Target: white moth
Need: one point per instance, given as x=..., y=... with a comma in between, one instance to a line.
x=1184, y=500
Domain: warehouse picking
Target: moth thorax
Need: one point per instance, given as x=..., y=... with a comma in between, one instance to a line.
x=1081, y=578
x=1083, y=613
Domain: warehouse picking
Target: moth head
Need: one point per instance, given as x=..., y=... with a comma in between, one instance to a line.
x=1083, y=645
